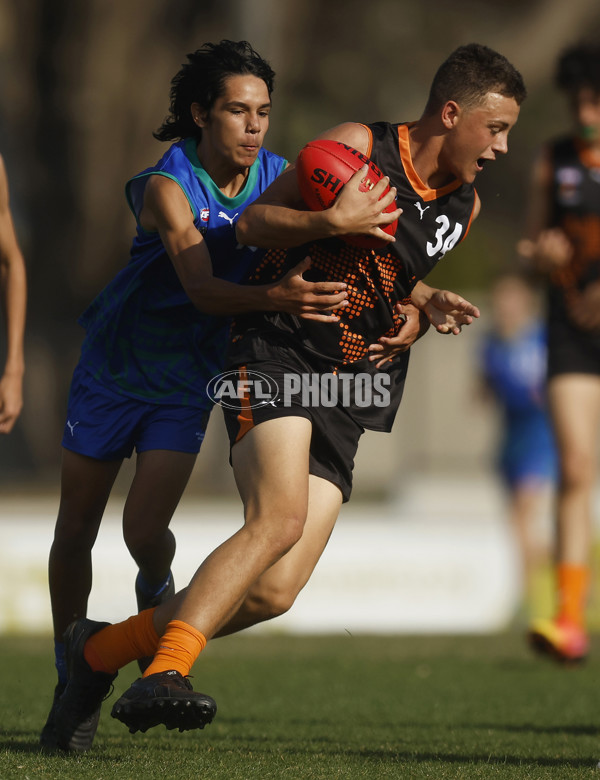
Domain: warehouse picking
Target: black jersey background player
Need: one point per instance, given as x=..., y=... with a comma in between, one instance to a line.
x=563, y=244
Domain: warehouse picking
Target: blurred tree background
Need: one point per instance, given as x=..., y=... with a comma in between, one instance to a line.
x=85, y=82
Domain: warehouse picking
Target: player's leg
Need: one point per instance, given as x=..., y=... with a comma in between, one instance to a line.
x=161, y=477
x=528, y=498
x=575, y=408
x=334, y=441
x=271, y=463
x=168, y=440
x=271, y=470
x=85, y=487
x=157, y=486
x=276, y=590
x=99, y=433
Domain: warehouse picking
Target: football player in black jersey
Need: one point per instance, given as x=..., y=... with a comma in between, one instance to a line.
x=563, y=244
x=293, y=450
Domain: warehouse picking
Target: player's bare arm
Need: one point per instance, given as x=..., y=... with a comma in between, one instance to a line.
x=13, y=293
x=348, y=204
x=167, y=211
x=544, y=248
x=550, y=250
x=445, y=310
x=279, y=217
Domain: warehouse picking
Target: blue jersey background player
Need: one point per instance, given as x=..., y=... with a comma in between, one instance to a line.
x=156, y=334
x=513, y=367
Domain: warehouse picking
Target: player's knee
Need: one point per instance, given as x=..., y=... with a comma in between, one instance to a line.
x=74, y=533
x=144, y=542
x=281, y=599
x=289, y=535
x=270, y=602
x=577, y=470
x=279, y=531
x=137, y=545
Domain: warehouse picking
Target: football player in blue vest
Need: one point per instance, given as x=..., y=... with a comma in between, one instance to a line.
x=513, y=356
x=156, y=335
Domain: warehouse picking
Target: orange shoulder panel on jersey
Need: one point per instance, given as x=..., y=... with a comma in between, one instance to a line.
x=424, y=192
x=466, y=233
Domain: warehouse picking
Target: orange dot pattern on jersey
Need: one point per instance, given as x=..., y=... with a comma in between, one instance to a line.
x=370, y=278
x=271, y=266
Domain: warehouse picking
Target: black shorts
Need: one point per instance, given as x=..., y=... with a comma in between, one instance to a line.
x=335, y=434
x=572, y=351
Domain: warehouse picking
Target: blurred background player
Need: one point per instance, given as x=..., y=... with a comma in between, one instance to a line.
x=156, y=335
x=513, y=368
x=13, y=293
x=563, y=243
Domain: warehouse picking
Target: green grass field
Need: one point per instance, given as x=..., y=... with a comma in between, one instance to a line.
x=334, y=707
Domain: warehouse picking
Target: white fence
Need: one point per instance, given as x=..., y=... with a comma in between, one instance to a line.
x=441, y=559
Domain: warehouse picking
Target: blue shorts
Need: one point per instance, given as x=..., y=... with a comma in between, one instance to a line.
x=105, y=425
x=528, y=454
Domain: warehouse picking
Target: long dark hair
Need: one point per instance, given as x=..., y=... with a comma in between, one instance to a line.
x=202, y=80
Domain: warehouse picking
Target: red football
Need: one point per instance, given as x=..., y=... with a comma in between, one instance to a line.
x=323, y=167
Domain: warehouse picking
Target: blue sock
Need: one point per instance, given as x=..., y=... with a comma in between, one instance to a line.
x=60, y=662
x=151, y=590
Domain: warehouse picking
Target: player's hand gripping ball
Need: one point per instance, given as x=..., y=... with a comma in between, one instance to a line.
x=323, y=167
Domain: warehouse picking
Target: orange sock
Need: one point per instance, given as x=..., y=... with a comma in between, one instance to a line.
x=178, y=648
x=573, y=580
x=115, y=646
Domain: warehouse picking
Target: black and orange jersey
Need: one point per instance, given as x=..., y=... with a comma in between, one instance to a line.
x=433, y=221
x=575, y=204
